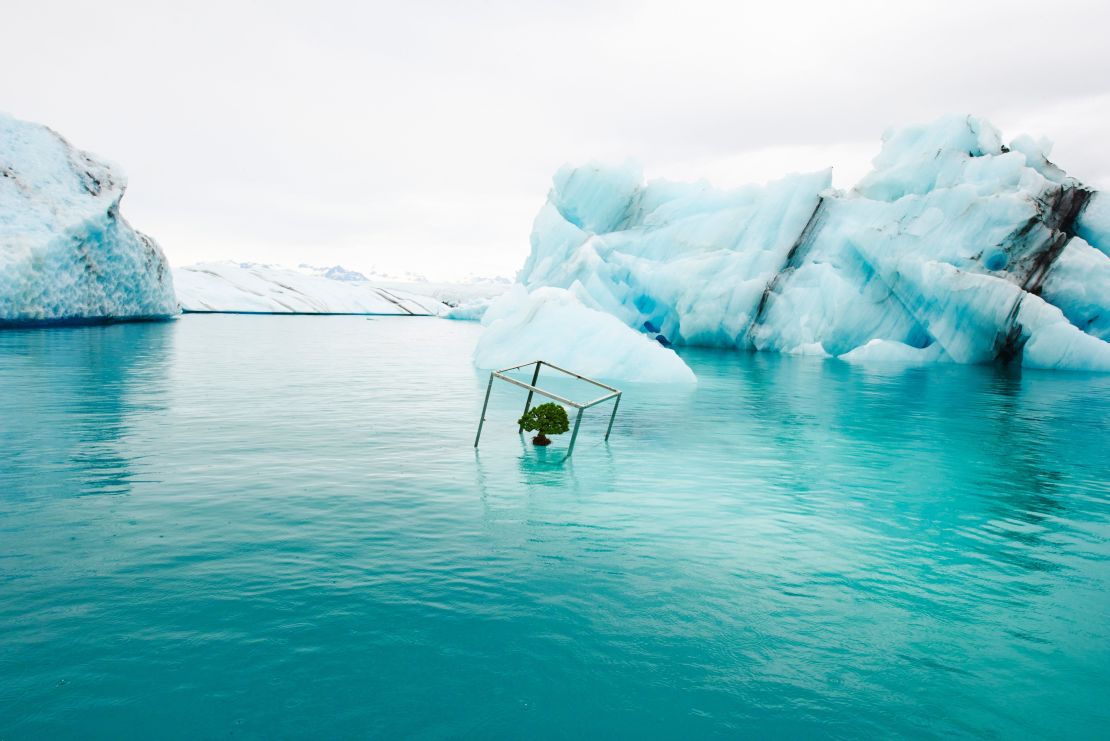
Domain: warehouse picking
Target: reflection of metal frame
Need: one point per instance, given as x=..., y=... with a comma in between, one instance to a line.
x=534, y=389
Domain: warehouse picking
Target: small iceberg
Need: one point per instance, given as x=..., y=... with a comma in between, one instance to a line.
x=554, y=324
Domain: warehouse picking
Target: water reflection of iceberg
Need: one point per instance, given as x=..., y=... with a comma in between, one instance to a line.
x=70, y=399
x=888, y=454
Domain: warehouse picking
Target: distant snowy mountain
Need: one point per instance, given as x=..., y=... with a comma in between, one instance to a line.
x=335, y=272
x=66, y=252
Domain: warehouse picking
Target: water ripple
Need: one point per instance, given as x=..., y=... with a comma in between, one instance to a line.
x=278, y=527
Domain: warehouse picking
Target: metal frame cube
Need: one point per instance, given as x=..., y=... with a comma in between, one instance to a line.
x=534, y=389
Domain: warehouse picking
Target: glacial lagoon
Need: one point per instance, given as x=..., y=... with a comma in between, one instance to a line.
x=278, y=526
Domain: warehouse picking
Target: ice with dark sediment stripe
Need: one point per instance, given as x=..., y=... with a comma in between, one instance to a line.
x=954, y=248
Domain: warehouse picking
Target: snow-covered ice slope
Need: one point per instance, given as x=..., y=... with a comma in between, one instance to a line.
x=954, y=248
x=553, y=324
x=267, y=289
x=66, y=253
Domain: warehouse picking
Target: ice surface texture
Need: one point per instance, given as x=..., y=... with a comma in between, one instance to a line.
x=66, y=253
x=954, y=248
x=267, y=289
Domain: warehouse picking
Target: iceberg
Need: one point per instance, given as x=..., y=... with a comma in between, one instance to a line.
x=555, y=325
x=66, y=252
x=954, y=248
x=469, y=311
x=468, y=298
x=250, y=288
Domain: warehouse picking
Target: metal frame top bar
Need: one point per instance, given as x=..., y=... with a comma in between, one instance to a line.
x=522, y=365
x=538, y=390
x=562, y=370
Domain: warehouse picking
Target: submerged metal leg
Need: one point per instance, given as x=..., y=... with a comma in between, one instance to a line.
x=485, y=404
x=528, y=401
x=613, y=416
x=574, y=435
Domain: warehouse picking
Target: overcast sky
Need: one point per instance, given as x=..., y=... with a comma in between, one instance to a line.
x=423, y=136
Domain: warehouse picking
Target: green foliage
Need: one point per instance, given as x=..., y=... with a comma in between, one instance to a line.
x=546, y=419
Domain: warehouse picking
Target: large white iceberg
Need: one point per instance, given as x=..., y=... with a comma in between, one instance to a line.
x=954, y=248
x=66, y=252
x=248, y=288
x=553, y=324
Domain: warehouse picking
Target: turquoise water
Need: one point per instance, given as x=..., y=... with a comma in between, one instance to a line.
x=271, y=527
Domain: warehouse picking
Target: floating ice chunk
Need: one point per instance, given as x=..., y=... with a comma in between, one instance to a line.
x=66, y=252
x=469, y=311
x=454, y=293
x=553, y=324
x=889, y=351
x=266, y=289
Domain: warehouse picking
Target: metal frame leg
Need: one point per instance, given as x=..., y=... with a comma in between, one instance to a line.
x=613, y=416
x=574, y=435
x=482, y=421
x=528, y=401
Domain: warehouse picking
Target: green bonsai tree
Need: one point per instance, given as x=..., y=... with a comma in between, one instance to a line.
x=546, y=419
